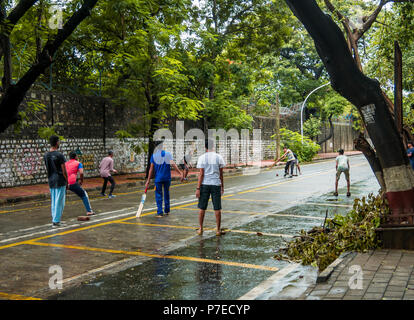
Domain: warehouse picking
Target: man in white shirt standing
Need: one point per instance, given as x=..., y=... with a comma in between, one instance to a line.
x=342, y=165
x=210, y=182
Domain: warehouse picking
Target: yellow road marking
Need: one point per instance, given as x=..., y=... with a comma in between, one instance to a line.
x=67, y=232
x=25, y=209
x=181, y=207
x=11, y=296
x=151, y=255
x=261, y=213
x=90, y=227
x=195, y=228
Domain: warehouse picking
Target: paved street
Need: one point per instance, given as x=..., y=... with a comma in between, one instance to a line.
x=116, y=256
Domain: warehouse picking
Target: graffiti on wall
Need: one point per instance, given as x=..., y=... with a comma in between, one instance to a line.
x=88, y=161
x=27, y=162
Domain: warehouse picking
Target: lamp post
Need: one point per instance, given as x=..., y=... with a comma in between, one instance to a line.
x=303, y=106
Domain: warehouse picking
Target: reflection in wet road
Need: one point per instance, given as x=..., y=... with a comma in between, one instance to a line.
x=157, y=259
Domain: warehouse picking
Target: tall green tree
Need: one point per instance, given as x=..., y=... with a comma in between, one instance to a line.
x=14, y=93
x=388, y=160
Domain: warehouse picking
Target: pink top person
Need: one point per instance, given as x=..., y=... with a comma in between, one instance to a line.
x=106, y=166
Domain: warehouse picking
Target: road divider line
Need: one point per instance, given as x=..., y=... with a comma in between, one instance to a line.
x=160, y=256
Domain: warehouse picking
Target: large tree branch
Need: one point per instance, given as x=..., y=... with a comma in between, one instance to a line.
x=330, y=131
x=361, y=144
x=368, y=21
x=350, y=82
x=13, y=97
x=8, y=23
x=19, y=11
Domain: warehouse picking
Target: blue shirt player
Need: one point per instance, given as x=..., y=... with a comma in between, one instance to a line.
x=161, y=162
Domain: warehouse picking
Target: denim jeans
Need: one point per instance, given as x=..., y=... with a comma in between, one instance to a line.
x=158, y=196
x=76, y=188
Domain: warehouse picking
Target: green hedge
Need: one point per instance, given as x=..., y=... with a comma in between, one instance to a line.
x=293, y=141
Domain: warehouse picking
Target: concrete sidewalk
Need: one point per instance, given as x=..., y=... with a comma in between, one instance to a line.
x=375, y=275
x=41, y=191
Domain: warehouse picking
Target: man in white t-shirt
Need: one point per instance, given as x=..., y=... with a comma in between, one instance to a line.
x=342, y=165
x=210, y=182
x=291, y=160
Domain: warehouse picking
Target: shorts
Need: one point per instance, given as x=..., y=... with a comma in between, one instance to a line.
x=183, y=166
x=339, y=171
x=205, y=191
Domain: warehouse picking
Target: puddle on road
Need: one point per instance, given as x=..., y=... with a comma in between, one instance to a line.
x=168, y=279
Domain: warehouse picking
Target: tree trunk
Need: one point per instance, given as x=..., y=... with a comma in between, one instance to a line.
x=367, y=96
x=361, y=144
x=15, y=94
x=331, y=129
x=5, y=49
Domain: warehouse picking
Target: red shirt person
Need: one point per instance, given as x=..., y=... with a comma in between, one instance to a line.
x=73, y=167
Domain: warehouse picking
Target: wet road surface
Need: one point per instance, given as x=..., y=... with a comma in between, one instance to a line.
x=116, y=256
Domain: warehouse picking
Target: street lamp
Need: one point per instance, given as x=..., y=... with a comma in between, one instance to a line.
x=303, y=106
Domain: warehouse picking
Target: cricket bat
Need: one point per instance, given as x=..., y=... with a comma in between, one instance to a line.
x=141, y=205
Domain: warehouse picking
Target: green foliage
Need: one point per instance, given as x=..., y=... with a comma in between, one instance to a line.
x=353, y=232
x=408, y=109
x=293, y=140
x=126, y=137
x=312, y=127
x=226, y=113
x=47, y=132
x=335, y=105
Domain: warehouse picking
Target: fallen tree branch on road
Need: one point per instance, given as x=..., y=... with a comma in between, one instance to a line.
x=355, y=231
